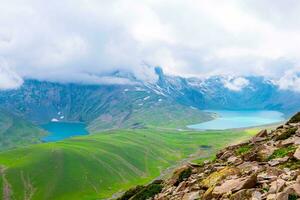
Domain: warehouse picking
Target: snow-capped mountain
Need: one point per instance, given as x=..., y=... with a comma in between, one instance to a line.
x=136, y=102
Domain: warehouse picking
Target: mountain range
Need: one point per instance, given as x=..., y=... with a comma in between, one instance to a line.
x=169, y=102
x=149, y=118
x=126, y=105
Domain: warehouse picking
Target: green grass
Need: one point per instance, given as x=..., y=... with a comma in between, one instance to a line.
x=150, y=114
x=15, y=132
x=99, y=165
x=282, y=152
x=244, y=149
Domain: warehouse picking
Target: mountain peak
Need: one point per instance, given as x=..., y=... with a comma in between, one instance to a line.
x=159, y=71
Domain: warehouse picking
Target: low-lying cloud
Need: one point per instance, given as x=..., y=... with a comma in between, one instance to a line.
x=81, y=41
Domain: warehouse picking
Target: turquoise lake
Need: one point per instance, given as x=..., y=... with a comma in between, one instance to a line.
x=239, y=119
x=62, y=130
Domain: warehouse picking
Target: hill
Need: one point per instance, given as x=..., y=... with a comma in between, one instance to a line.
x=14, y=131
x=99, y=165
x=265, y=167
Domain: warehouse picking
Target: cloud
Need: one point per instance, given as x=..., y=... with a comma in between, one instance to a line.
x=88, y=39
x=290, y=81
x=8, y=78
x=235, y=84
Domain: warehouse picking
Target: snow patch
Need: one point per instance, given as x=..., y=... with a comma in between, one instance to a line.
x=54, y=120
x=146, y=98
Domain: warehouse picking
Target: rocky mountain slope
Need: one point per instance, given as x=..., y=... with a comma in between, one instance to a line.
x=266, y=167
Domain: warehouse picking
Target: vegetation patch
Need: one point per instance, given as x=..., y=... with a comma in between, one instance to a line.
x=183, y=175
x=292, y=164
x=244, y=149
x=293, y=197
x=287, y=134
x=131, y=192
x=143, y=192
x=282, y=152
x=295, y=118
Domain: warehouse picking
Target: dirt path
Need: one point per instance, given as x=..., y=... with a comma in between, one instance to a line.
x=6, y=188
x=29, y=190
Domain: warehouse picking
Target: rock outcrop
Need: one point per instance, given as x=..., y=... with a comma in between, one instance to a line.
x=267, y=167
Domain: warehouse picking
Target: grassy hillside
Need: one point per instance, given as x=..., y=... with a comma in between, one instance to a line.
x=15, y=131
x=99, y=165
x=150, y=113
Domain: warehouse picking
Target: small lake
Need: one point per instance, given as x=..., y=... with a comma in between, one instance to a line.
x=62, y=130
x=227, y=119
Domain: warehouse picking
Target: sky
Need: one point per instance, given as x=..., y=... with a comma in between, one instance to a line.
x=85, y=40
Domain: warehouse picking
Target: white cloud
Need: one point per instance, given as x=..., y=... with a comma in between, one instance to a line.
x=235, y=84
x=51, y=40
x=290, y=81
x=8, y=78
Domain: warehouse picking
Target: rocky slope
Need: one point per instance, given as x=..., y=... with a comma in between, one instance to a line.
x=266, y=167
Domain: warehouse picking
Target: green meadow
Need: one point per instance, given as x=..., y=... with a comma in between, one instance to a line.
x=98, y=165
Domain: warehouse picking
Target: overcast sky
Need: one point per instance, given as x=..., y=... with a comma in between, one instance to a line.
x=78, y=40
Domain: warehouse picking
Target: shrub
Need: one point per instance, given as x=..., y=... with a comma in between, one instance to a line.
x=148, y=192
x=131, y=192
x=184, y=175
x=295, y=118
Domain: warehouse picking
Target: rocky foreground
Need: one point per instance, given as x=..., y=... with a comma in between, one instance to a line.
x=266, y=167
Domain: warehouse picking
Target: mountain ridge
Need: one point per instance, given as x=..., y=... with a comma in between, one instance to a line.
x=116, y=105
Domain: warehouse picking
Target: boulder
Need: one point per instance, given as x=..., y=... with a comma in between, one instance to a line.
x=298, y=132
x=250, y=156
x=297, y=153
x=180, y=174
x=234, y=160
x=235, y=185
x=191, y=196
x=291, y=190
x=262, y=133
x=276, y=186
x=242, y=194
x=256, y=195
x=290, y=141
x=265, y=151
x=217, y=176
x=249, y=167
x=278, y=161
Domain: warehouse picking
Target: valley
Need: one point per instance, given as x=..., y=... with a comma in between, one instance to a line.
x=79, y=141
x=99, y=165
